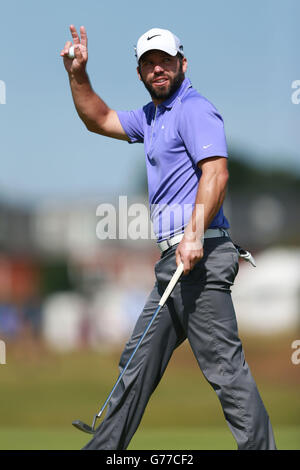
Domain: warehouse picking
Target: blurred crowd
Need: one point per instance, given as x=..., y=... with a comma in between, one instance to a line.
x=62, y=285
x=71, y=303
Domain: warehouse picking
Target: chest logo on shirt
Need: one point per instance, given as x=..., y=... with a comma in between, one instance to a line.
x=206, y=146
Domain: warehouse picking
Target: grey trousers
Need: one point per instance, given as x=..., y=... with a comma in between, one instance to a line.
x=201, y=310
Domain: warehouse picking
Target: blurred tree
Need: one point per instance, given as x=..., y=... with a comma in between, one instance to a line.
x=243, y=176
x=247, y=176
x=54, y=277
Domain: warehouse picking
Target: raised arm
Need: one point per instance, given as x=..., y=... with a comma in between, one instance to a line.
x=93, y=111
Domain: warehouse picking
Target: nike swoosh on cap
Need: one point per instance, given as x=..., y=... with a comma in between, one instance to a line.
x=148, y=39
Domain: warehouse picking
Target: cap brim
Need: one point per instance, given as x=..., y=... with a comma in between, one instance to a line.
x=170, y=51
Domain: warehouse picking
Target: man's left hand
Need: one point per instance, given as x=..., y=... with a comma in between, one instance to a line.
x=189, y=252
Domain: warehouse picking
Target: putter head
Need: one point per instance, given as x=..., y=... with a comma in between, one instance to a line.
x=83, y=426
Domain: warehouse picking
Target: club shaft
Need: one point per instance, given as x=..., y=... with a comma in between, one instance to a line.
x=163, y=300
x=130, y=359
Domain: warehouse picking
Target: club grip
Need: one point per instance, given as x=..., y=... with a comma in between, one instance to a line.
x=171, y=284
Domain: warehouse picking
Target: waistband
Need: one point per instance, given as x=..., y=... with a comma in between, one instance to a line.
x=210, y=233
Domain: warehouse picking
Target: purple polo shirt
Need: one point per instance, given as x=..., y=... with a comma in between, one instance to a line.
x=177, y=134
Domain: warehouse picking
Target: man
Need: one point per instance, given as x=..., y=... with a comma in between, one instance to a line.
x=186, y=157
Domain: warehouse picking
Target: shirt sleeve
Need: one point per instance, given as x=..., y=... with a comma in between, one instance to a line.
x=132, y=123
x=202, y=130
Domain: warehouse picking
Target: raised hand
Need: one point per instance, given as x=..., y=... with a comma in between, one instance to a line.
x=78, y=64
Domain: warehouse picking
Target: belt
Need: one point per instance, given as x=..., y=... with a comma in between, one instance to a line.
x=210, y=233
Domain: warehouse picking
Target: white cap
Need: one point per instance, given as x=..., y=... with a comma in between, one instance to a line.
x=160, y=39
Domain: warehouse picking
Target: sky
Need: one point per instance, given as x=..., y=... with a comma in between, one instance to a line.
x=242, y=56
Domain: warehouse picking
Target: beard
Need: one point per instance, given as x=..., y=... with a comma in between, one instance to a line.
x=168, y=90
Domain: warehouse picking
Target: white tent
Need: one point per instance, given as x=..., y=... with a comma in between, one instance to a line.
x=267, y=298
x=64, y=314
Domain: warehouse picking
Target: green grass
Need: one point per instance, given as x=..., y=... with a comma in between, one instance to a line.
x=42, y=393
x=208, y=438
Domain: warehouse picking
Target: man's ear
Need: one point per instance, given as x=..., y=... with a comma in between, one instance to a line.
x=184, y=64
x=138, y=72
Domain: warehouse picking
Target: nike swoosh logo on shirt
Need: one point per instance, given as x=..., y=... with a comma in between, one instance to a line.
x=206, y=146
x=148, y=39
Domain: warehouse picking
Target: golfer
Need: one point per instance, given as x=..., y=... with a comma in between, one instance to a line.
x=186, y=158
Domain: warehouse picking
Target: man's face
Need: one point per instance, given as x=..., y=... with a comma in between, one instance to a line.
x=161, y=73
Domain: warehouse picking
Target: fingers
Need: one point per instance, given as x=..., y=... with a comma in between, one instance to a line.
x=77, y=53
x=76, y=37
x=186, y=266
x=189, y=254
x=185, y=260
x=178, y=258
x=65, y=50
x=77, y=42
x=83, y=36
x=74, y=33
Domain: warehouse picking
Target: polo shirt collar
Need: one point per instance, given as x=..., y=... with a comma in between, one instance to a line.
x=178, y=93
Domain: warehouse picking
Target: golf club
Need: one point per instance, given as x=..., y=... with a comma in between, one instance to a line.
x=91, y=429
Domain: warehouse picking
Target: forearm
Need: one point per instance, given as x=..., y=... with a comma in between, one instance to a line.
x=209, y=199
x=90, y=107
